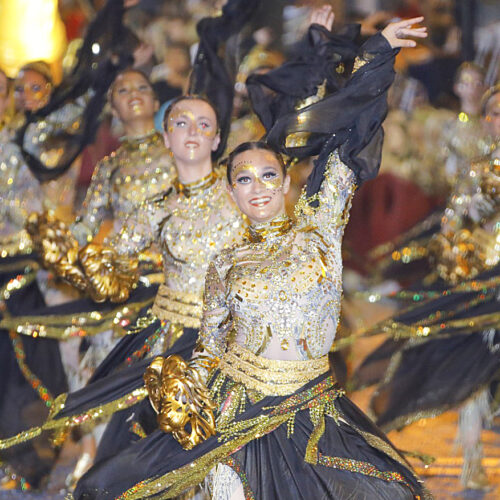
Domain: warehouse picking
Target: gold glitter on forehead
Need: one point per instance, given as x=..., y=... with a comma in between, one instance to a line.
x=248, y=166
x=177, y=113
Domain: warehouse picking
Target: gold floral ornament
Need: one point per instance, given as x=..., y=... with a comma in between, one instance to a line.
x=181, y=400
x=93, y=269
x=458, y=256
x=110, y=275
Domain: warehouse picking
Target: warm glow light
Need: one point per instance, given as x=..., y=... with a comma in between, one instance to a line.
x=29, y=30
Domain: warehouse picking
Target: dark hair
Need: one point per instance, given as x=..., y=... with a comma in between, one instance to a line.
x=492, y=91
x=250, y=146
x=188, y=97
x=124, y=72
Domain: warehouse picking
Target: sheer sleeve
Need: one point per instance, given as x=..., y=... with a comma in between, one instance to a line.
x=96, y=204
x=20, y=190
x=142, y=228
x=216, y=322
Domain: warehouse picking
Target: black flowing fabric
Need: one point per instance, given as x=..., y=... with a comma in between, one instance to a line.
x=447, y=304
x=21, y=406
x=103, y=53
x=272, y=466
x=210, y=77
x=349, y=119
x=425, y=376
x=436, y=374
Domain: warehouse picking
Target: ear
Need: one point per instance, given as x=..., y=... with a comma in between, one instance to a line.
x=157, y=105
x=216, y=142
x=165, y=140
x=230, y=190
x=286, y=184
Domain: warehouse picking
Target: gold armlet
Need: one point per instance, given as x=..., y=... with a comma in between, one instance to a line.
x=181, y=400
x=93, y=269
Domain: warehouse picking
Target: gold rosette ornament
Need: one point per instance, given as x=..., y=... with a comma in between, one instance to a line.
x=181, y=400
x=459, y=256
x=93, y=269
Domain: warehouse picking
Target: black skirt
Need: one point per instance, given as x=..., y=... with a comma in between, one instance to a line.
x=312, y=444
x=425, y=375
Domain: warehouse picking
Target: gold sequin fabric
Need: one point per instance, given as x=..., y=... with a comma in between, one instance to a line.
x=140, y=169
x=19, y=189
x=268, y=376
x=280, y=296
x=191, y=225
x=469, y=240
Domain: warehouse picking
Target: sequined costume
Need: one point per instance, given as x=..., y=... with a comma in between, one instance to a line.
x=141, y=168
x=273, y=347
x=444, y=349
x=270, y=317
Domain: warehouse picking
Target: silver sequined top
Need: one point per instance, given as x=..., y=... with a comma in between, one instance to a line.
x=281, y=297
x=140, y=169
x=190, y=227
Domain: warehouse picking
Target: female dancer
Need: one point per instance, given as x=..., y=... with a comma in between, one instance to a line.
x=270, y=315
x=447, y=353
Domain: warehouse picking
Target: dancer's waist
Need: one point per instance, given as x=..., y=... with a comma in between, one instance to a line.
x=268, y=376
x=178, y=307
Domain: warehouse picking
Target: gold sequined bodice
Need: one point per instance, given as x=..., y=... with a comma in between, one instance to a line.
x=279, y=295
x=141, y=168
x=19, y=189
x=191, y=225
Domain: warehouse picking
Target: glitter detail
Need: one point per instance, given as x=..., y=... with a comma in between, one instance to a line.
x=33, y=380
x=237, y=467
x=359, y=467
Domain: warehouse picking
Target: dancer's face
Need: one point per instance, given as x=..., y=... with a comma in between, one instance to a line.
x=4, y=94
x=258, y=185
x=31, y=90
x=492, y=117
x=191, y=131
x=132, y=98
x=469, y=86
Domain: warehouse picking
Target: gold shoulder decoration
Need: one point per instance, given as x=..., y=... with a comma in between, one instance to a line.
x=181, y=400
x=94, y=269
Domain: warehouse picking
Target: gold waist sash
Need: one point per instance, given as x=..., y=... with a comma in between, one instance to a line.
x=178, y=307
x=269, y=376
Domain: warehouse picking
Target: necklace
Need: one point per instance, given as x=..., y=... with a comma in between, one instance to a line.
x=193, y=188
x=268, y=230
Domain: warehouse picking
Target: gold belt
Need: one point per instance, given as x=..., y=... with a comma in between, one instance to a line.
x=178, y=307
x=269, y=376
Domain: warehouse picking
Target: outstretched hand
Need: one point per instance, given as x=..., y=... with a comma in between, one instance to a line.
x=323, y=16
x=397, y=33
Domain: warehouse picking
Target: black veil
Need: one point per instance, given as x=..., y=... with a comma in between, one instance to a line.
x=69, y=121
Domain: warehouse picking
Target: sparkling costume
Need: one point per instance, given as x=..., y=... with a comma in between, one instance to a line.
x=283, y=426
x=140, y=169
x=275, y=370
x=444, y=350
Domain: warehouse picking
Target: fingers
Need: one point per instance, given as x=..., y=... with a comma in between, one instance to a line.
x=323, y=16
x=415, y=32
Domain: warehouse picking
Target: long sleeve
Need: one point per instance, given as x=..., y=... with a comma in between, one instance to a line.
x=216, y=322
x=96, y=204
x=333, y=200
x=142, y=228
x=20, y=191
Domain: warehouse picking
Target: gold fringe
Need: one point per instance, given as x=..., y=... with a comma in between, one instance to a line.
x=91, y=416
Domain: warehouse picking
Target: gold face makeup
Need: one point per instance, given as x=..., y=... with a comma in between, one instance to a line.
x=270, y=182
x=185, y=118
